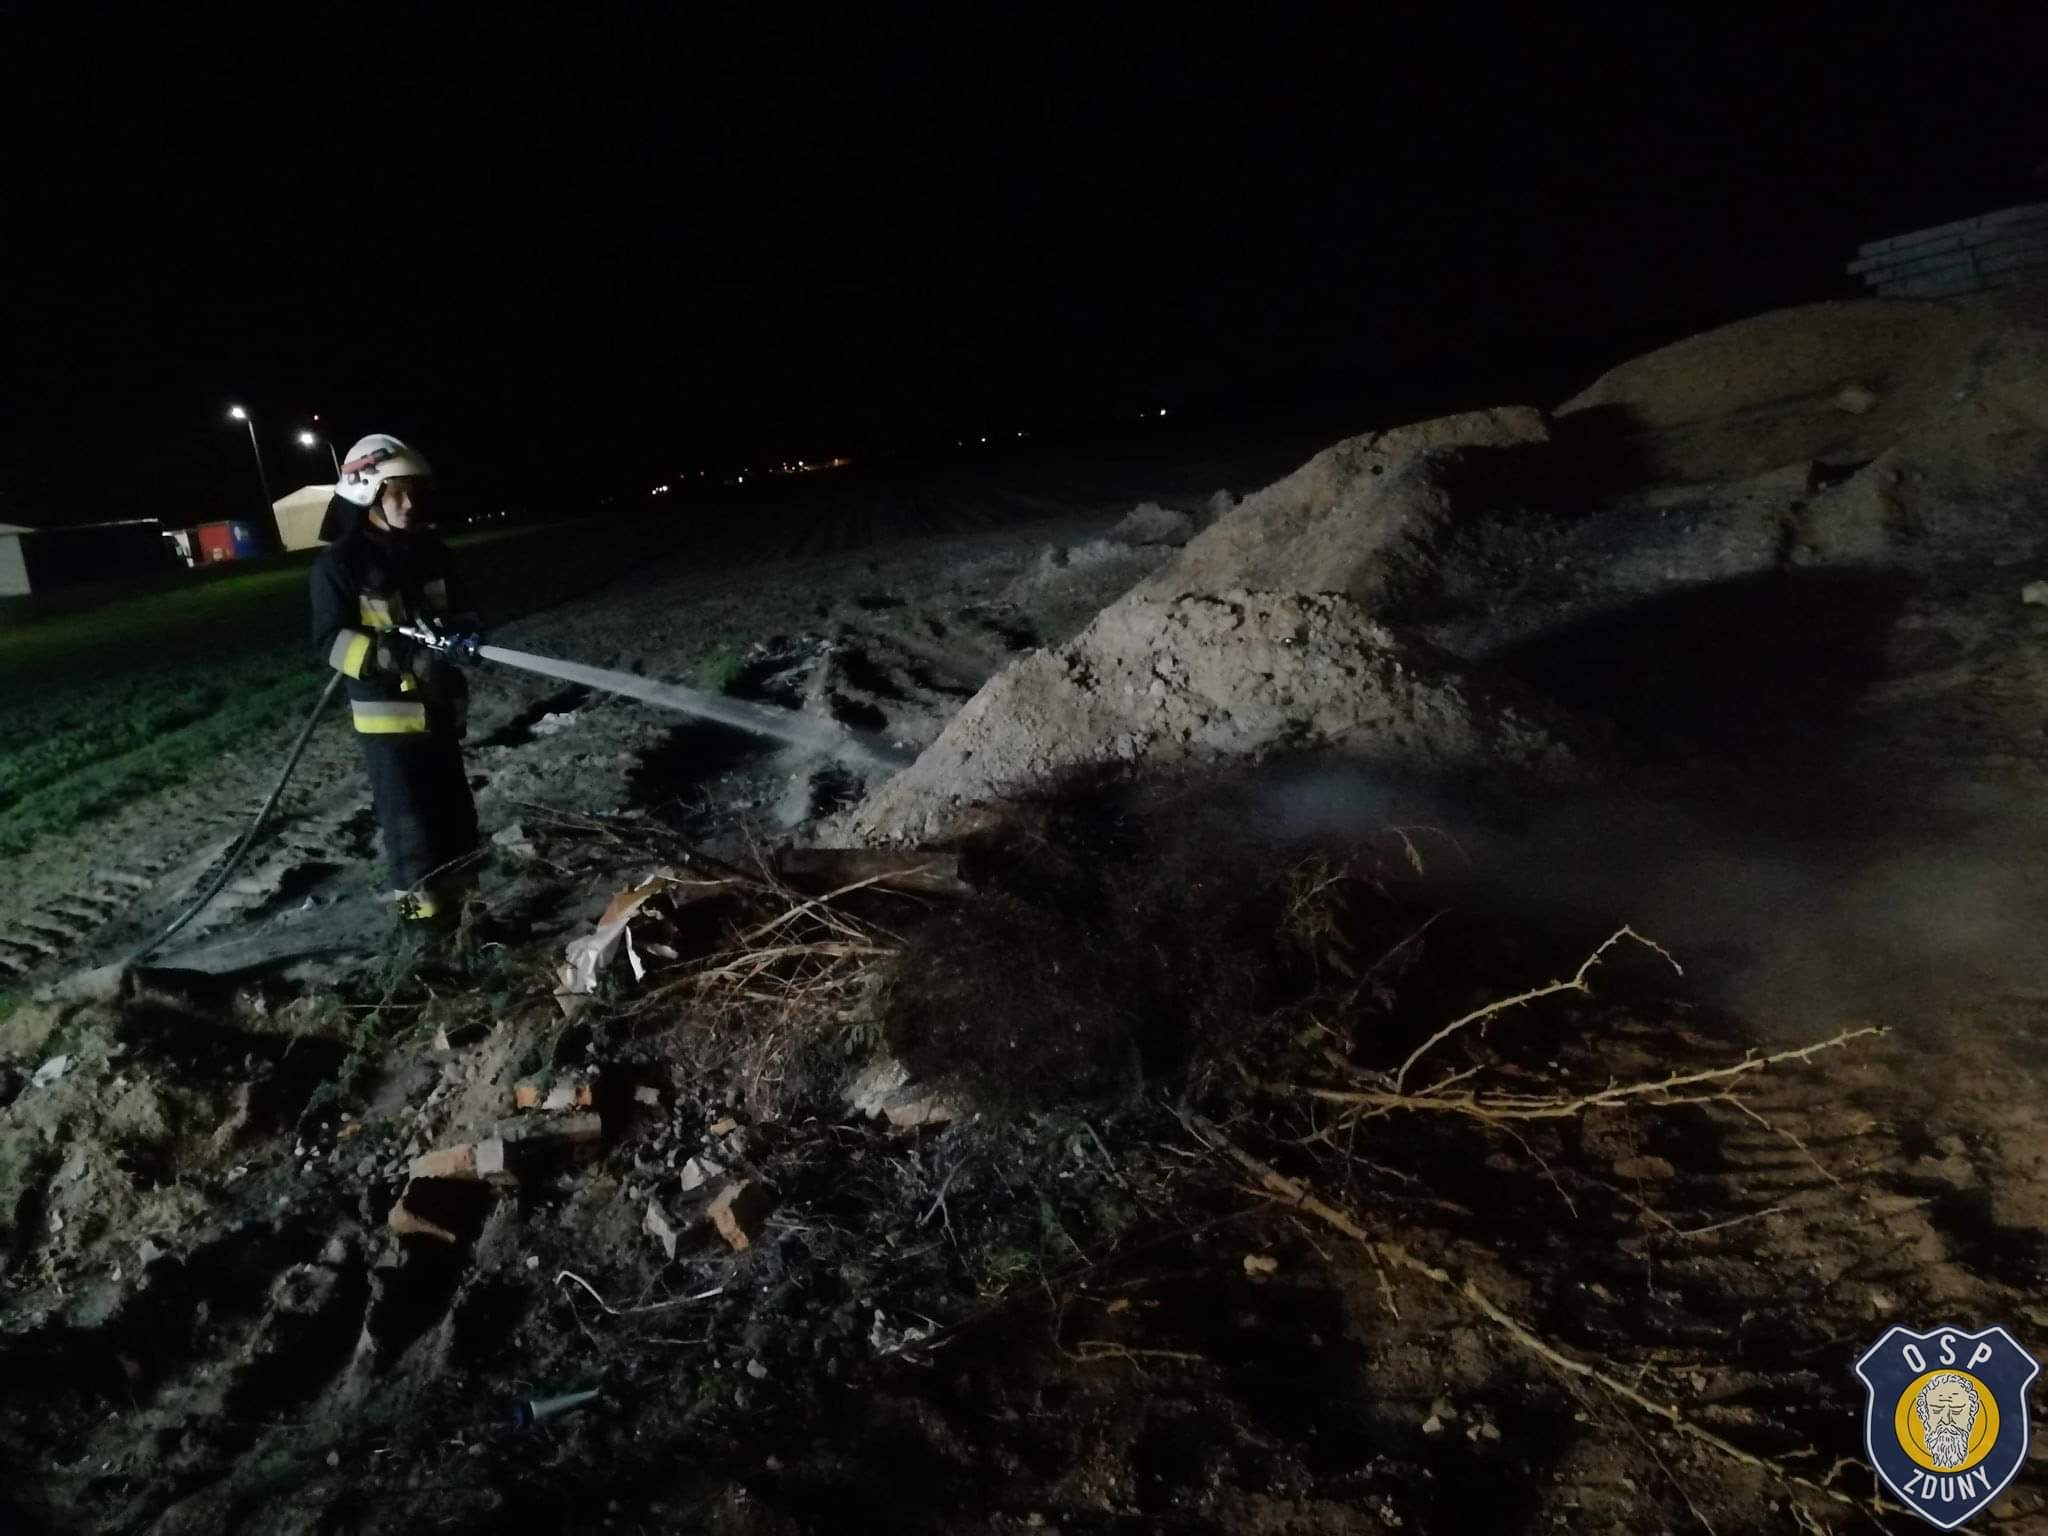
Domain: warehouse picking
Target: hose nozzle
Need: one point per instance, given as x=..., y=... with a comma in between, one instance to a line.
x=459, y=646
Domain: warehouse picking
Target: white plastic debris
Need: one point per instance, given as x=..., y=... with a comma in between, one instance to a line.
x=585, y=957
x=553, y=723
x=51, y=1070
x=698, y=1172
x=657, y=1226
x=513, y=838
x=885, y=1340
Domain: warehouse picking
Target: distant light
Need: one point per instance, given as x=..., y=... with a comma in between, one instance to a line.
x=238, y=413
x=308, y=439
x=984, y=439
x=1162, y=410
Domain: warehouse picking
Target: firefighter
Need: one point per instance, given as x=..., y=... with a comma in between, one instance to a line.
x=386, y=569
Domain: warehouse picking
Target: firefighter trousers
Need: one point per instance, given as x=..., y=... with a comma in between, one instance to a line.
x=421, y=793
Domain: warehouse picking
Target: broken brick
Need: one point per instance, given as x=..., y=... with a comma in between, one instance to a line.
x=491, y=1165
x=458, y=1162
x=907, y=1114
x=408, y=1223
x=738, y=1212
x=569, y=1093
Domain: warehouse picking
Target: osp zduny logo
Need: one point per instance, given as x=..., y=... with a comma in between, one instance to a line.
x=1946, y=1426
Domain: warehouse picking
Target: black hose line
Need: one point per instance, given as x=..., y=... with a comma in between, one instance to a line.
x=248, y=837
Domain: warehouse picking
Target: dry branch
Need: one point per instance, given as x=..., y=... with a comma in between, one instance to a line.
x=932, y=874
x=1508, y=1106
x=1577, y=983
x=818, y=905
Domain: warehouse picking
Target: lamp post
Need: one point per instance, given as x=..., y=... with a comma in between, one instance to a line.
x=262, y=479
x=308, y=439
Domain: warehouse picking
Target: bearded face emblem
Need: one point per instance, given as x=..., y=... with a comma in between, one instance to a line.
x=1947, y=1407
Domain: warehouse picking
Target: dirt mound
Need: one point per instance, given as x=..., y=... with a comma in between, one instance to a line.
x=1366, y=517
x=1197, y=678
x=1942, y=472
x=1965, y=477
x=1837, y=383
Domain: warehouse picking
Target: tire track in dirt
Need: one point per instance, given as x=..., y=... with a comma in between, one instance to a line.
x=66, y=901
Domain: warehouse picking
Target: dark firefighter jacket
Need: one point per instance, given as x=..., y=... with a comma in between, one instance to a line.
x=369, y=580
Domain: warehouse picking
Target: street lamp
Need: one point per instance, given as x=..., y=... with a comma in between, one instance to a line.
x=308, y=439
x=262, y=479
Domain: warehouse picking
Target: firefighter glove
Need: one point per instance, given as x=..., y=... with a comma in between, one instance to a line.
x=399, y=656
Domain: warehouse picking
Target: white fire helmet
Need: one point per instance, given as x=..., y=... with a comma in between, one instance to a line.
x=377, y=458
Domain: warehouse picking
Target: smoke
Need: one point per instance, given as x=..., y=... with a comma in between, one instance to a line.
x=1800, y=917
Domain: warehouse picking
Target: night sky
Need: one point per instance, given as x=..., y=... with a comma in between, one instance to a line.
x=570, y=255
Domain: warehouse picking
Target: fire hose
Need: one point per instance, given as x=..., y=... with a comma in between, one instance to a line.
x=468, y=650
x=249, y=837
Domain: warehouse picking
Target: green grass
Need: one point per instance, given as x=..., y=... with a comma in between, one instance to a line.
x=41, y=658
x=715, y=670
x=96, y=748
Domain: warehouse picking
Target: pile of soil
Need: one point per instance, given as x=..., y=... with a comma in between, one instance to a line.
x=1367, y=517
x=1884, y=431
x=1768, y=391
x=1190, y=680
